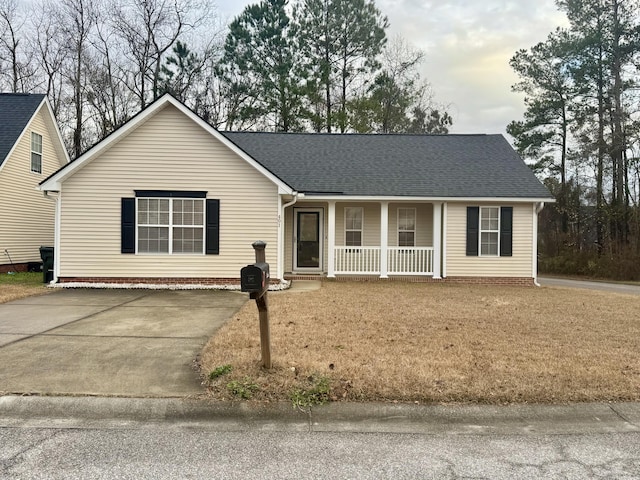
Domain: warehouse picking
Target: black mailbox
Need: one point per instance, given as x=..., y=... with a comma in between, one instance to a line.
x=254, y=278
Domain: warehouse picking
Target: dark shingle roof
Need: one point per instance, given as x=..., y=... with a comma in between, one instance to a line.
x=394, y=165
x=16, y=109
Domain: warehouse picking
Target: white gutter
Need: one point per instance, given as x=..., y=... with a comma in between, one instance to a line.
x=537, y=208
x=389, y=198
x=281, y=225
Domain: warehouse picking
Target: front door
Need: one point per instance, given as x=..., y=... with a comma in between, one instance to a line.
x=308, y=239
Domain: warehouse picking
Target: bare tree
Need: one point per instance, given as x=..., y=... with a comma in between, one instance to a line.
x=20, y=71
x=107, y=92
x=48, y=53
x=77, y=19
x=150, y=28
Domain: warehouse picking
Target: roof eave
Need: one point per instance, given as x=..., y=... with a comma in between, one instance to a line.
x=413, y=198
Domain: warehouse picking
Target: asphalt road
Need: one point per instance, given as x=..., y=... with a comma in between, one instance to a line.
x=165, y=452
x=602, y=286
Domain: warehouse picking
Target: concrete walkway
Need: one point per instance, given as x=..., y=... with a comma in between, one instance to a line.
x=602, y=286
x=133, y=343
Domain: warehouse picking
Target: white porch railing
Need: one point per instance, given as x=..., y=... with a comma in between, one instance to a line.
x=410, y=260
x=400, y=260
x=357, y=260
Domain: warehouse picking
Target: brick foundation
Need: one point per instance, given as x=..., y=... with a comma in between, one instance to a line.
x=153, y=280
x=515, y=281
x=157, y=280
x=17, y=267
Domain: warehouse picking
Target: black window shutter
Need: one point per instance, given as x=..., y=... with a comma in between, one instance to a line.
x=128, y=226
x=213, y=227
x=506, y=231
x=473, y=225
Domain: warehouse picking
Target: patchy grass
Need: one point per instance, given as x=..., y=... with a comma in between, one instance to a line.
x=20, y=285
x=437, y=343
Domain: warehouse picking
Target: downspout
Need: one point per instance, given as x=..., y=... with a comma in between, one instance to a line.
x=282, y=223
x=56, y=235
x=537, y=208
x=295, y=199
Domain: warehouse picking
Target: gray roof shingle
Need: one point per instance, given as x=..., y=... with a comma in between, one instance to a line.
x=394, y=165
x=16, y=109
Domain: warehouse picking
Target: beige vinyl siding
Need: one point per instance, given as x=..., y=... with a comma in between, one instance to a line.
x=26, y=216
x=424, y=223
x=288, y=233
x=168, y=152
x=370, y=223
x=518, y=265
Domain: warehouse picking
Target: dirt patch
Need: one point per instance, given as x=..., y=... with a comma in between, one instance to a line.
x=437, y=343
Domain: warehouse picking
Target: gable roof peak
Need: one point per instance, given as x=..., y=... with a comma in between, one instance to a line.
x=16, y=111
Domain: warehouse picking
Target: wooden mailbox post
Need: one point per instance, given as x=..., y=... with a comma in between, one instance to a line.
x=255, y=280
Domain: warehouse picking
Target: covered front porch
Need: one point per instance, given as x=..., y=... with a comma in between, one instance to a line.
x=378, y=238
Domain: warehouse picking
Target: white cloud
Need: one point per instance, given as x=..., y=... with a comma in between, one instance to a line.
x=468, y=46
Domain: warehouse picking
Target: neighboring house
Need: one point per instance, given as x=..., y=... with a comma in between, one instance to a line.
x=31, y=149
x=169, y=199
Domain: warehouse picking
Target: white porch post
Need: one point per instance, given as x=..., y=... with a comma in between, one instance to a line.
x=384, y=238
x=445, y=212
x=280, y=250
x=537, y=208
x=437, y=238
x=331, y=239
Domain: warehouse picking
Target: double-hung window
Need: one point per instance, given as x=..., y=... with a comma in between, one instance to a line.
x=489, y=230
x=353, y=226
x=406, y=227
x=36, y=152
x=170, y=225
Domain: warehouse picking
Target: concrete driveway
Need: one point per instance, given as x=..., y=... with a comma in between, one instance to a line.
x=134, y=343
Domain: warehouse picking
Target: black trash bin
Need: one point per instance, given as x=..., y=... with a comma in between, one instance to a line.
x=46, y=254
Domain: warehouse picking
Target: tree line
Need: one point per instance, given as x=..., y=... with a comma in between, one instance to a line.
x=581, y=132
x=304, y=65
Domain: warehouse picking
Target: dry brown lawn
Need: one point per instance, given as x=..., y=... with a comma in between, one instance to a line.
x=20, y=285
x=438, y=343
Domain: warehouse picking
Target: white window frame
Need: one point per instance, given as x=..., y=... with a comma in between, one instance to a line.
x=415, y=226
x=170, y=225
x=34, y=151
x=481, y=231
x=361, y=229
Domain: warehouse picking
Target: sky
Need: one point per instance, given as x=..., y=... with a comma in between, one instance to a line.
x=467, y=45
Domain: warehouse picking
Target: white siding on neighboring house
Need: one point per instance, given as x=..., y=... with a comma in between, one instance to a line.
x=168, y=152
x=517, y=265
x=26, y=216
